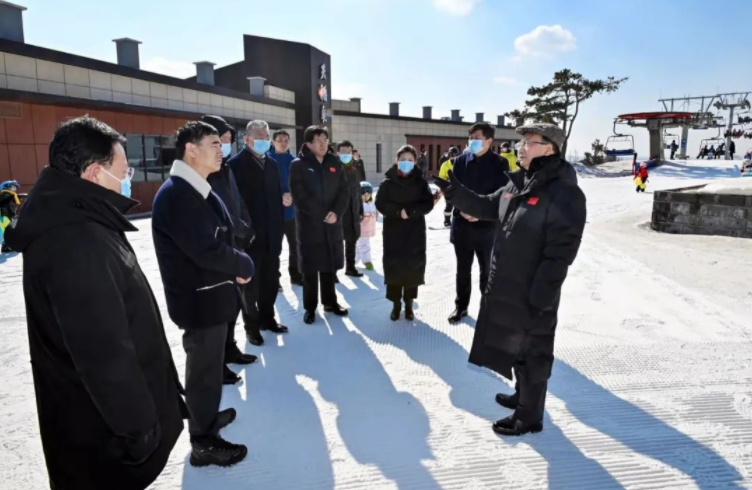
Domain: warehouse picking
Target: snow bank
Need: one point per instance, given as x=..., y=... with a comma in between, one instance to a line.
x=736, y=186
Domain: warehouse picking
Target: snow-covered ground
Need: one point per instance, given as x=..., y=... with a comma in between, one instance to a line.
x=652, y=388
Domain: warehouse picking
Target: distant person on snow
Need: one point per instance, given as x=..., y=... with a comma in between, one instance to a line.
x=446, y=163
x=9, y=203
x=367, y=226
x=732, y=149
x=540, y=217
x=641, y=177
x=404, y=199
x=674, y=147
x=507, y=153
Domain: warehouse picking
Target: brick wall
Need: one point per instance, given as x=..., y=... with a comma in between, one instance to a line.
x=678, y=211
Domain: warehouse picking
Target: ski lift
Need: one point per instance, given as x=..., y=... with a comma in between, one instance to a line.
x=619, y=145
x=717, y=140
x=668, y=138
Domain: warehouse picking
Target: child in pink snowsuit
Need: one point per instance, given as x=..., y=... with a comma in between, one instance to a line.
x=367, y=226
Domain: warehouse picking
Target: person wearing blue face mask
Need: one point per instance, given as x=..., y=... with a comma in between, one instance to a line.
x=107, y=393
x=404, y=199
x=482, y=171
x=258, y=179
x=224, y=185
x=354, y=211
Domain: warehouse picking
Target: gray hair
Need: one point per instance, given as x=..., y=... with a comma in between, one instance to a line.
x=258, y=123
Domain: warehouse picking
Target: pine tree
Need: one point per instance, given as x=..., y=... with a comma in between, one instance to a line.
x=559, y=101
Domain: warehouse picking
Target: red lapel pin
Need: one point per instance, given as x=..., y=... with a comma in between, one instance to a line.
x=532, y=201
x=332, y=169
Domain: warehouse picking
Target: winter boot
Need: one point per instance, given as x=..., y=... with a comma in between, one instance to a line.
x=511, y=426
x=508, y=401
x=409, y=313
x=216, y=451
x=396, y=309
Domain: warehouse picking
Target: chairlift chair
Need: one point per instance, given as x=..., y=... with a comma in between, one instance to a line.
x=625, y=143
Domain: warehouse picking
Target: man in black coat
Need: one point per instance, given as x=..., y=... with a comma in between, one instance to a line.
x=360, y=165
x=257, y=175
x=108, y=396
x=194, y=241
x=423, y=162
x=484, y=172
x=321, y=194
x=224, y=185
x=540, y=217
x=354, y=212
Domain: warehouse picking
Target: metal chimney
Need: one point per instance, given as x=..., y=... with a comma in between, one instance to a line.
x=502, y=121
x=479, y=116
x=205, y=72
x=127, y=52
x=257, y=86
x=427, y=112
x=456, y=115
x=11, y=22
x=394, y=109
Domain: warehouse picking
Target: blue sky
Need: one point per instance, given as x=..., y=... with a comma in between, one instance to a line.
x=473, y=55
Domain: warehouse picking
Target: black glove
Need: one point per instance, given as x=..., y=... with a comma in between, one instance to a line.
x=138, y=450
x=441, y=183
x=448, y=187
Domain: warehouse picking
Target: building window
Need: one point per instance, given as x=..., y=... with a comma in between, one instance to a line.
x=378, y=158
x=150, y=155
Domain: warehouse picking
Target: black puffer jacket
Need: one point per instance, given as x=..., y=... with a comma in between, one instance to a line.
x=319, y=188
x=540, y=217
x=404, y=239
x=351, y=219
x=104, y=377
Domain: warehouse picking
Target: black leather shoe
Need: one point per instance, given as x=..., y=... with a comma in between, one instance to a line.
x=229, y=377
x=353, y=273
x=507, y=401
x=276, y=328
x=309, y=317
x=409, y=313
x=510, y=426
x=226, y=417
x=234, y=356
x=336, y=309
x=216, y=451
x=255, y=339
x=457, y=315
x=396, y=309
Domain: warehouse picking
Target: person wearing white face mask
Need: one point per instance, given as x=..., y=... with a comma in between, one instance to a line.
x=258, y=179
x=224, y=185
x=482, y=171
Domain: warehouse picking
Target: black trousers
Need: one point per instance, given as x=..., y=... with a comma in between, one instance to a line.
x=292, y=244
x=230, y=337
x=398, y=293
x=469, y=244
x=531, y=397
x=204, y=349
x=350, y=254
x=448, y=212
x=261, y=294
x=311, y=290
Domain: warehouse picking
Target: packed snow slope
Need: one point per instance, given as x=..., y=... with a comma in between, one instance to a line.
x=652, y=388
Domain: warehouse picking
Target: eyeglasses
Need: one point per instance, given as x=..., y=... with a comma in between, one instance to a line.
x=130, y=173
x=525, y=143
x=319, y=141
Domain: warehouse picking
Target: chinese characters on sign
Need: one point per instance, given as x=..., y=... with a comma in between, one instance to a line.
x=323, y=94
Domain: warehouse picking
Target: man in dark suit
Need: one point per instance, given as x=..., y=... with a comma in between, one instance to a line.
x=194, y=241
x=258, y=179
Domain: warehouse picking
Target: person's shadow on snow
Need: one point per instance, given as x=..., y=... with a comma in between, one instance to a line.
x=278, y=418
x=473, y=391
x=635, y=428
